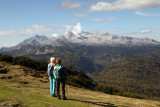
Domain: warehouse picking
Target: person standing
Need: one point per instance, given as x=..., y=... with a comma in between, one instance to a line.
x=51, y=77
x=60, y=76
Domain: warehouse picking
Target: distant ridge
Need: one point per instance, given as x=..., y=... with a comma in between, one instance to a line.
x=84, y=38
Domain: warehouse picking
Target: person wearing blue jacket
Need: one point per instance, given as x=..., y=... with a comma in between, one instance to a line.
x=51, y=77
x=60, y=74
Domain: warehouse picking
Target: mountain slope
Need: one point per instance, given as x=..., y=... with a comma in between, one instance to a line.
x=87, y=58
x=139, y=75
x=34, y=91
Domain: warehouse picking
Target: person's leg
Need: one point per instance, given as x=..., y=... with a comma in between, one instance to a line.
x=51, y=85
x=58, y=86
x=63, y=89
x=54, y=87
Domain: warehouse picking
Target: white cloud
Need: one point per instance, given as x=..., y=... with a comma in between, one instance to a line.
x=140, y=13
x=70, y=4
x=38, y=29
x=77, y=29
x=96, y=20
x=146, y=31
x=7, y=45
x=125, y=4
x=111, y=19
x=80, y=15
x=35, y=29
x=99, y=20
x=55, y=35
x=144, y=14
x=68, y=28
x=64, y=28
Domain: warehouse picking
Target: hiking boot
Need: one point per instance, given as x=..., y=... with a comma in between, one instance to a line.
x=64, y=98
x=53, y=95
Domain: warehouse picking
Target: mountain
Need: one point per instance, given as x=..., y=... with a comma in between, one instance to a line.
x=90, y=52
x=98, y=38
x=36, y=41
x=84, y=38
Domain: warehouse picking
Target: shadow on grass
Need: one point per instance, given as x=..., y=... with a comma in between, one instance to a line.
x=96, y=103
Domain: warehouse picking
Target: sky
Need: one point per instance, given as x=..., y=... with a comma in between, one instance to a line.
x=22, y=19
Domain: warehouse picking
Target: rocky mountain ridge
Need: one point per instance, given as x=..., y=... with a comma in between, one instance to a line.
x=83, y=38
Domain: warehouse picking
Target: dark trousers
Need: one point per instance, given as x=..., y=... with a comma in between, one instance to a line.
x=63, y=87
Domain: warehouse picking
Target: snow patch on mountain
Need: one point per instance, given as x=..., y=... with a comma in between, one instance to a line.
x=107, y=39
x=83, y=38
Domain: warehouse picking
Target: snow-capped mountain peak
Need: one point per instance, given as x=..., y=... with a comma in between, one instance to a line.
x=35, y=40
x=70, y=35
x=84, y=38
x=107, y=39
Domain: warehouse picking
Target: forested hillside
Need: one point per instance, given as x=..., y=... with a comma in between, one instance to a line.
x=82, y=57
x=139, y=75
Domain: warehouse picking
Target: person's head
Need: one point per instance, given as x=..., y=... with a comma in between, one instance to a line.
x=58, y=61
x=52, y=59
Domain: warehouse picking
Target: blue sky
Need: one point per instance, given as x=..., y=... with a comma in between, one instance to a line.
x=21, y=19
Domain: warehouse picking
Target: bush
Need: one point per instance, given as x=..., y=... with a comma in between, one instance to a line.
x=5, y=58
x=25, y=61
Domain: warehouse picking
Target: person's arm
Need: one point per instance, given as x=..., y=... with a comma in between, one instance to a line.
x=64, y=72
x=50, y=69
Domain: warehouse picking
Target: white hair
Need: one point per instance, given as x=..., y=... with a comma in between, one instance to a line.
x=52, y=59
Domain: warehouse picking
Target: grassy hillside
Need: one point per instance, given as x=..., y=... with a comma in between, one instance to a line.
x=19, y=86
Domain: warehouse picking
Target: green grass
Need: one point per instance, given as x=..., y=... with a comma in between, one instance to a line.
x=35, y=93
x=28, y=96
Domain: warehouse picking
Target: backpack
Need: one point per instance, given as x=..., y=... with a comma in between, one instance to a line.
x=57, y=72
x=50, y=69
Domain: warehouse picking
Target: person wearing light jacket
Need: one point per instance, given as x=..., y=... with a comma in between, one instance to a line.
x=50, y=71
